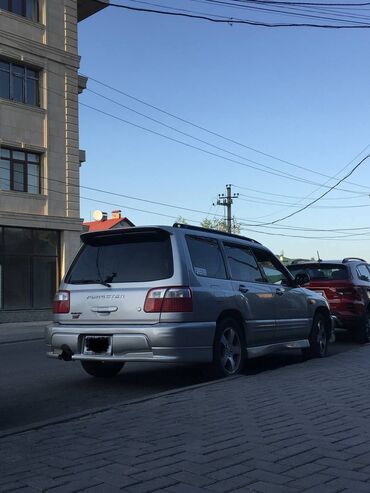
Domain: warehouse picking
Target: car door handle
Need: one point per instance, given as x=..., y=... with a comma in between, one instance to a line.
x=243, y=289
x=280, y=291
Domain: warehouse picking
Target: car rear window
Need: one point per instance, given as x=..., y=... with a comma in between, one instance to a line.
x=328, y=272
x=123, y=258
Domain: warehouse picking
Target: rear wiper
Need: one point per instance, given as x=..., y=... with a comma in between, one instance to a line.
x=85, y=281
x=101, y=280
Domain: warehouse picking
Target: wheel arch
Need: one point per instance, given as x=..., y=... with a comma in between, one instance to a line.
x=328, y=323
x=237, y=316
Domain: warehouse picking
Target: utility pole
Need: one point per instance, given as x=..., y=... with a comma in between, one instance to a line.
x=226, y=201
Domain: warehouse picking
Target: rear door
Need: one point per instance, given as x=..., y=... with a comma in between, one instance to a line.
x=112, y=275
x=254, y=298
x=291, y=303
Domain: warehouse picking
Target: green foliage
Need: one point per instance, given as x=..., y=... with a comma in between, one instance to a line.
x=220, y=225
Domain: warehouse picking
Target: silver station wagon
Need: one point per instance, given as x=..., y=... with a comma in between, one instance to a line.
x=181, y=294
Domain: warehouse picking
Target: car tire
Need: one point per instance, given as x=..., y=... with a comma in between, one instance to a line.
x=102, y=369
x=318, y=338
x=229, y=351
x=362, y=333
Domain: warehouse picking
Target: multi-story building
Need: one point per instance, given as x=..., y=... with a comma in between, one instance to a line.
x=39, y=150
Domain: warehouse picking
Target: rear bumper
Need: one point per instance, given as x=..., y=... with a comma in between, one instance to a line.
x=347, y=322
x=182, y=342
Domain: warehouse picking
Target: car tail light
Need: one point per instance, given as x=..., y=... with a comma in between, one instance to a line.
x=61, y=302
x=165, y=300
x=350, y=292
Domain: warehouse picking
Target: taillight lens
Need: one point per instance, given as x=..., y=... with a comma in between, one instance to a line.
x=61, y=302
x=350, y=292
x=165, y=300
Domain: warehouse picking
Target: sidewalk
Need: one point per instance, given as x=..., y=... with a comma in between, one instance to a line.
x=303, y=427
x=22, y=331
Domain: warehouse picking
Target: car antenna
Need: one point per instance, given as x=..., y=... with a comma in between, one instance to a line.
x=318, y=256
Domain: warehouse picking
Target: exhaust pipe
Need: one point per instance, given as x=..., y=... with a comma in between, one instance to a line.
x=66, y=354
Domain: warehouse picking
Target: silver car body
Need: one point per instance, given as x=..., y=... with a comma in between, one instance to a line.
x=273, y=316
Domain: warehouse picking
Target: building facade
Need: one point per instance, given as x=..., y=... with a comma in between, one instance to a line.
x=39, y=150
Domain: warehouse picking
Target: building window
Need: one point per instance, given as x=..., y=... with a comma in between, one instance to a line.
x=20, y=171
x=19, y=83
x=25, y=8
x=29, y=268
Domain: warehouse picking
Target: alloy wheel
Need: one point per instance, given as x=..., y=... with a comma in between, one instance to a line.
x=231, y=350
x=321, y=336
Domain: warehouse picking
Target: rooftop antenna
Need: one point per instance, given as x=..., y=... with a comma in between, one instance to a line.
x=318, y=256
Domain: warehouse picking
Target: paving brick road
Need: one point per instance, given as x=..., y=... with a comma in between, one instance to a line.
x=304, y=427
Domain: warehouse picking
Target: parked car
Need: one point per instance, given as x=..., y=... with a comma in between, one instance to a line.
x=346, y=285
x=180, y=294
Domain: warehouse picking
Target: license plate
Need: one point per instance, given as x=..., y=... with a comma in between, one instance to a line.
x=97, y=345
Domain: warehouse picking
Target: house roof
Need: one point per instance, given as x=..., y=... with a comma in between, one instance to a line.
x=107, y=224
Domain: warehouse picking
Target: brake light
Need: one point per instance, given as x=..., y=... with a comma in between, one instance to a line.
x=61, y=302
x=168, y=300
x=350, y=292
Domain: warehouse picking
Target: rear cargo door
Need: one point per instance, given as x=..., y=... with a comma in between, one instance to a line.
x=112, y=275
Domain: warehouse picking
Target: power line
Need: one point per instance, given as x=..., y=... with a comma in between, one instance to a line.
x=315, y=4
x=191, y=146
x=231, y=21
x=264, y=193
x=71, y=194
x=216, y=134
x=294, y=11
x=318, y=198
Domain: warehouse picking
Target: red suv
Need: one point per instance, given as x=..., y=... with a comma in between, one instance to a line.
x=346, y=285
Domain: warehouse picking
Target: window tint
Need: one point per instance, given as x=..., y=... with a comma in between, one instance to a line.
x=44, y=280
x=127, y=258
x=324, y=272
x=19, y=83
x=25, y=8
x=242, y=263
x=17, y=282
x=19, y=171
x=4, y=83
x=206, y=257
x=28, y=267
x=363, y=272
x=271, y=267
x=17, y=240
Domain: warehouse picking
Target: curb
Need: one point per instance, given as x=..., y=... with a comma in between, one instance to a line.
x=15, y=341
x=98, y=410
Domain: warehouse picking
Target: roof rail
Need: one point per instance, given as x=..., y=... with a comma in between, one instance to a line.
x=302, y=261
x=347, y=259
x=215, y=231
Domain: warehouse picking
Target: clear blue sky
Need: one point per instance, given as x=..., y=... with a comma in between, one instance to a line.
x=302, y=95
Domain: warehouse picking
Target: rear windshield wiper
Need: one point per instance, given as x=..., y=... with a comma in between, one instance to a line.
x=101, y=280
x=90, y=281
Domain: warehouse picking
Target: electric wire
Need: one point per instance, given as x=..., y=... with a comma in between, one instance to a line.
x=188, y=122
x=318, y=198
x=230, y=20
x=206, y=142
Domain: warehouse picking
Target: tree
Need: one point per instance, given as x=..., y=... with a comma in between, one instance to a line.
x=220, y=225
x=214, y=223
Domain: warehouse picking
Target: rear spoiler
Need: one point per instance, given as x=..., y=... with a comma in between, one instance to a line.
x=103, y=236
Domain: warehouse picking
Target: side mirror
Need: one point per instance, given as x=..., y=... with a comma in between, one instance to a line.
x=301, y=279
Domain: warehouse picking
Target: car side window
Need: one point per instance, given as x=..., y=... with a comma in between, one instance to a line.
x=363, y=272
x=271, y=267
x=206, y=257
x=243, y=265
